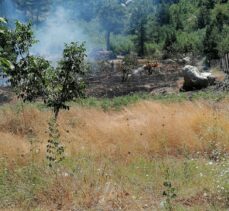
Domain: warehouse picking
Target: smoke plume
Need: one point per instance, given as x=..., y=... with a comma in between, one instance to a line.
x=57, y=30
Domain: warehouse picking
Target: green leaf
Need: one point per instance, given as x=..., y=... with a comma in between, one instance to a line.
x=6, y=63
x=3, y=20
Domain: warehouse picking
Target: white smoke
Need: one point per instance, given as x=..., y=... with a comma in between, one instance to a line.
x=57, y=30
x=9, y=11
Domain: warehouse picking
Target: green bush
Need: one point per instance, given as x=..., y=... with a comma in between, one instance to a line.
x=121, y=44
x=188, y=42
x=153, y=50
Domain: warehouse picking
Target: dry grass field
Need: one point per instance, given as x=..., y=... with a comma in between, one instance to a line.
x=117, y=159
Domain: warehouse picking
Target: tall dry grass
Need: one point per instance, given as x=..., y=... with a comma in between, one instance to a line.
x=146, y=128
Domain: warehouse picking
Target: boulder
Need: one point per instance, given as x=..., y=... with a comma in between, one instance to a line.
x=193, y=79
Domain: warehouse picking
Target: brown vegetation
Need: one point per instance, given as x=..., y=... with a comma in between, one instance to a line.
x=116, y=159
x=147, y=128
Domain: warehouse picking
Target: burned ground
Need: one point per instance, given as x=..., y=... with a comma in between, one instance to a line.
x=109, y=83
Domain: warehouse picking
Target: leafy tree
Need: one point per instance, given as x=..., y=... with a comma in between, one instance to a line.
x=65, y=83
x=4, y=62
x=203, y=17
x=175, y=17
x=33, y=77
x=211, y=42
x=220, y=15
x=112, y=17
x=86, y=10
x=209, y=4
x=34, y=10
x=223, y=44
x=169, y=45
x=162, y=15
x=138, y=24
x=23, y=77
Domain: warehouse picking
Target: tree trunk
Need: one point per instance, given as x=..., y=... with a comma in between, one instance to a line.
x=142, y=41
x=108, y=34
x=56, y=113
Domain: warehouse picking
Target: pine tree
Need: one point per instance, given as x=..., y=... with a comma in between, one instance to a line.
x=169, y=46
x=138, y=24
x=211, y=42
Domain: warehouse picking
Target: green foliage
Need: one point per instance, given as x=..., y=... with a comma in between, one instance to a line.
x=148, y=22
x=34, y=10
x=55, y=150
x=24, y=185
x=112, y=18
x=188, y=42
x=4, y=62
x=138, y=25
x=118, y=103
x=175, y=17
x=22, y=39
x=170, y=42
x=169, y=193
x=34, y=77
x=121, y=45
x=65, y=83
x=223, y=46
x=27, y=76
x=88, y=9
x=210, y=42
x=153, y=50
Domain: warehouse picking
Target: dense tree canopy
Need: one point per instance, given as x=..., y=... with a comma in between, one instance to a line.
x=112, y=17
x=144, y=26
x=34, y=10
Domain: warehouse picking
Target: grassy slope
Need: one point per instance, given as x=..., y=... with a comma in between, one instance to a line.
x=119, y=154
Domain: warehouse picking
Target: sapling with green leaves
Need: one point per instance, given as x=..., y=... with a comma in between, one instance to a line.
x=33, y=77
x=169, y=193
x=63, y=84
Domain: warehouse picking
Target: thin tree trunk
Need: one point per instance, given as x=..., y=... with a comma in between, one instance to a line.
x=108, y=34
x=56, y=113
x=142, y=41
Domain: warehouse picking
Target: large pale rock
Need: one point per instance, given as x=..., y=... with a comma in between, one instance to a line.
x=193, y=79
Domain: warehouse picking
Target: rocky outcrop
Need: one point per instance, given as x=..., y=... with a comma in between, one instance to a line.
x=193, y=79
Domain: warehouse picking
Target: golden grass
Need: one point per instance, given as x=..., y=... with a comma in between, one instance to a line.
x=146, y=128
